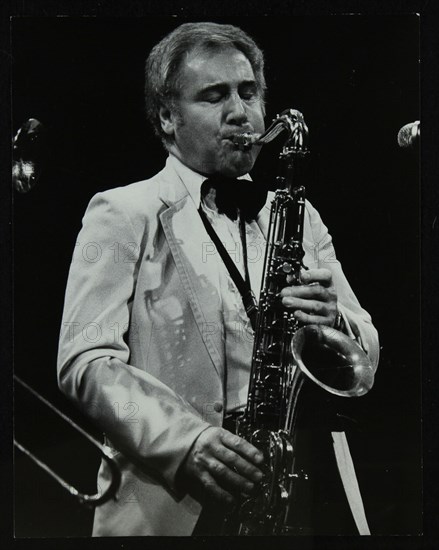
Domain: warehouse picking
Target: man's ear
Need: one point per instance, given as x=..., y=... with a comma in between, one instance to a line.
x=167, y=120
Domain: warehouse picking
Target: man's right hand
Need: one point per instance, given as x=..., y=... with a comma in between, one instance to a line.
x=225, y=464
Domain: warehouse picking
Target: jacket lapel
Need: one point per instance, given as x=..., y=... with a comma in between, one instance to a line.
x=195, y=262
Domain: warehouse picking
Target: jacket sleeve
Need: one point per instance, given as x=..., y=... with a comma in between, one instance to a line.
x=357, y=322
x=142, y=417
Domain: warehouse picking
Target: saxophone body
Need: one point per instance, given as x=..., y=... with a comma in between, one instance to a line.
x=278, y=370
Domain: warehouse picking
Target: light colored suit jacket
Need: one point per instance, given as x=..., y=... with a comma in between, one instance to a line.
x=141, y=348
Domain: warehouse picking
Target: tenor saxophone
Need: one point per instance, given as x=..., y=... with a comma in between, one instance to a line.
x=278, y=370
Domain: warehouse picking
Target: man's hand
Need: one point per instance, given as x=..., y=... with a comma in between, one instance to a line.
x=315, y=300
x=225, y=464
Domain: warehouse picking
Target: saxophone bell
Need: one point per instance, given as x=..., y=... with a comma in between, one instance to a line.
x=332, y=360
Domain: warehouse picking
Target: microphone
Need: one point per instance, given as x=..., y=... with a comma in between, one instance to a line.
x=409, y=134
x=29, y=150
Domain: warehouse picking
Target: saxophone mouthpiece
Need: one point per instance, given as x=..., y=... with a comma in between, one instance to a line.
x=245, y=140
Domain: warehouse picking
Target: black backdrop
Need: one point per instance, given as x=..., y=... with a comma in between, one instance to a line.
x=356, y=79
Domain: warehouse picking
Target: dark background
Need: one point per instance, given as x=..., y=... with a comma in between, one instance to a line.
x=356, y=79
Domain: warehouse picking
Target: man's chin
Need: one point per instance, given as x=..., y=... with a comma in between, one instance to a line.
x=238, y=164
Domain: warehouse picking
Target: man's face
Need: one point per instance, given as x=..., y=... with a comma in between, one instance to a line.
x=218, y=99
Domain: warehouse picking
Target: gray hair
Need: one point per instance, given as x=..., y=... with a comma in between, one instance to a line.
x=163, y=65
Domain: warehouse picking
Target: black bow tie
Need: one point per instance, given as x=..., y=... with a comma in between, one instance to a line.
x=232, y=194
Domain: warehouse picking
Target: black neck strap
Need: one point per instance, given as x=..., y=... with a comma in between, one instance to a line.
x=243, y=285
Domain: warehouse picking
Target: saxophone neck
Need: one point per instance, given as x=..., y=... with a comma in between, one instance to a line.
x=290, y=120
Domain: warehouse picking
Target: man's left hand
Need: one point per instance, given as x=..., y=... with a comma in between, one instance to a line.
x=315, y=300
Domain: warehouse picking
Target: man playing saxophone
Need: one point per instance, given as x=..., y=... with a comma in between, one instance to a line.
x=179, y=362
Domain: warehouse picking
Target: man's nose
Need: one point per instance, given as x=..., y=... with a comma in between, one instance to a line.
x=236, y=112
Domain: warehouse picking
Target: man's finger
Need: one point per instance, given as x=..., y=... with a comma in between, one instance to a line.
x=314, y=307
x=242, y=447
x=229, y=478
x=317, y=275
x=313, y=292
x=213, y=489
x=239, y=465
x=308, y=319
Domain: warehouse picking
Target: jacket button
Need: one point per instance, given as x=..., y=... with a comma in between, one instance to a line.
x=217, y=407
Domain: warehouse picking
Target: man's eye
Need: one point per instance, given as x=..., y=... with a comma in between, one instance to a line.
x=249, y=94
x=213, y=98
